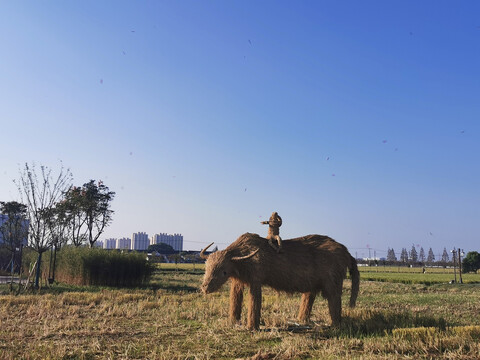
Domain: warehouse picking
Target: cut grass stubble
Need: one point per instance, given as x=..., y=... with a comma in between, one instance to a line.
x=171, y=320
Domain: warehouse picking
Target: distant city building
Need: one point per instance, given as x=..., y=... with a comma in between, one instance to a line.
x=124, y=243
x=373, y=259
x=110, y=243
x=3, y=219
x=175, y=240
x=98, y=244
x=140, y=241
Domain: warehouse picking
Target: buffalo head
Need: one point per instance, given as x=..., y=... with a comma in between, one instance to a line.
x=220, y=266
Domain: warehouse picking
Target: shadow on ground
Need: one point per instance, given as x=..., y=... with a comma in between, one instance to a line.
x=372, y=323
x=379, y=323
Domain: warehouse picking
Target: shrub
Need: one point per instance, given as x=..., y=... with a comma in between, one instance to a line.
x=86, y=266
x=471, y=263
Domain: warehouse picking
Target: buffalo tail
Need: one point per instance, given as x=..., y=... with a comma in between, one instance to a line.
x=355, y=276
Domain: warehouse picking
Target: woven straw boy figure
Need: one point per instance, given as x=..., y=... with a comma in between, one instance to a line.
x=274, y=224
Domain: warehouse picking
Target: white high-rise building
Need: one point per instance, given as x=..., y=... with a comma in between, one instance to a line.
x=140, y=241
x=175, y=240
x=110, y=243
x=124, y=243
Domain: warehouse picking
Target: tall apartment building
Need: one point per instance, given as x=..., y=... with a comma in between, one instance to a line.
x=110, y=243
x=140, y=241
x=124, y=243
x=175, y=240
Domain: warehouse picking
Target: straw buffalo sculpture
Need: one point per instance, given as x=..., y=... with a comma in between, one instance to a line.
x=309, y=265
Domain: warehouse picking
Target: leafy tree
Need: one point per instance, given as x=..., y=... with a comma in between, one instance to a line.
x=161, y=248
x=471, y=262
x=404, y=255
x=431, y=256
x=13, y=228
x=176, y=258
x=87, y=211
x=413, y=254
x=391, y=255
x=40, y=191
x=96, y=204
x=72, y=208
x=445, y=257
x=58, y=223
x=421, y=256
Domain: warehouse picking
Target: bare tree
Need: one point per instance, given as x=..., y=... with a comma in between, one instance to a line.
x=40, y=191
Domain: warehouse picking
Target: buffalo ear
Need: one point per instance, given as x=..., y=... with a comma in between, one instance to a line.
x=239, y=258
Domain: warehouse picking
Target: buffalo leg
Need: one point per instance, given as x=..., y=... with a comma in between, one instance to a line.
x=236, y=300
x=254, y=306
x=306, y=305
x=335, y=307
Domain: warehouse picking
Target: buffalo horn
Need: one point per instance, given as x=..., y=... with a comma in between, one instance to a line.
x=202, y=253
x=236, y=258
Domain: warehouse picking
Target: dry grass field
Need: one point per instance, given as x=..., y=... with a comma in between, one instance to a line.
x=170, y=320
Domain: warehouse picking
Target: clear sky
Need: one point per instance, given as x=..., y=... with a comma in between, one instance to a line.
x=359, y=120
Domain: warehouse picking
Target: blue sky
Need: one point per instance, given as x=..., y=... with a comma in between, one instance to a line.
x=358, y=120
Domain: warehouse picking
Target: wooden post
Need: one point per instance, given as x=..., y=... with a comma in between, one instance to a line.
x=460, y=265
x=454, y=252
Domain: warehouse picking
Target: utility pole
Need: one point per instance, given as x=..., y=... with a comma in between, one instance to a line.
x=460, y=253
x=454, y=252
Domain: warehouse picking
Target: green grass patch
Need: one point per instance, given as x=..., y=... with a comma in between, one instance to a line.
x=415, y=277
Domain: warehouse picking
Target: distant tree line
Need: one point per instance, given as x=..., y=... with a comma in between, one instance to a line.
x=470, y=263
x=161, y=248
x=173, y=255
